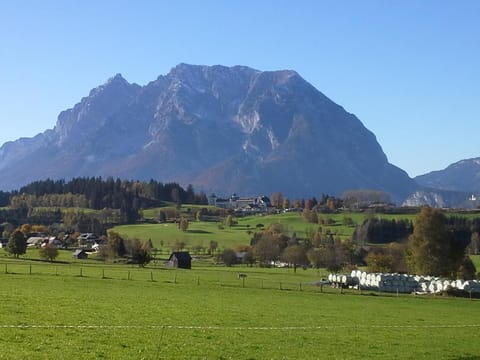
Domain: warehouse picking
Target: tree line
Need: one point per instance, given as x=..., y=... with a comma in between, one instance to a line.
x=93, y=193
x=111, y=193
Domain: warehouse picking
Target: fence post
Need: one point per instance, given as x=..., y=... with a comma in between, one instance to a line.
x=56, y=271
x=103, y=273
x=30, y=271
x=198, y=280
x=81, y=272
x=175, y=279
x=151, y=276
x=128, y=274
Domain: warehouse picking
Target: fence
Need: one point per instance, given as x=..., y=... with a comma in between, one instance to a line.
x=161, y=275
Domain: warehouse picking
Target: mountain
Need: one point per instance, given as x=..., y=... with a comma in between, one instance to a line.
x=222, y=129
x=443, y=199
x=463, y=176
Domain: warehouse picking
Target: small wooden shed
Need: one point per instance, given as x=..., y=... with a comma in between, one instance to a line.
x=180, y=260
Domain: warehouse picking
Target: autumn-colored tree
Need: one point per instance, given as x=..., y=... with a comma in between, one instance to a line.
x=379, y=262
x=229, y=221
x=183, y=224
x=26, y=229
x=39, y=228
x=277, y=200
x=267, y=250
x=48, y=252
x=295, y=255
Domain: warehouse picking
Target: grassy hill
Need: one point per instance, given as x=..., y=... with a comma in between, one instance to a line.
x=202, y=232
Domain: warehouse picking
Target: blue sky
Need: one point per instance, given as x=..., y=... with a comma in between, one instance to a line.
x=410, y=70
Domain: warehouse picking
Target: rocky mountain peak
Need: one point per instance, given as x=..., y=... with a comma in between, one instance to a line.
x=222, y=129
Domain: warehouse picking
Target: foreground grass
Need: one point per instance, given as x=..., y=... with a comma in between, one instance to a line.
x=206, y=314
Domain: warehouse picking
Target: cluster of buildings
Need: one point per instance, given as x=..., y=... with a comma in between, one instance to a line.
x=245, y=205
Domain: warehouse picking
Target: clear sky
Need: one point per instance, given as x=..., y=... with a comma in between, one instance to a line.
x=410, y=70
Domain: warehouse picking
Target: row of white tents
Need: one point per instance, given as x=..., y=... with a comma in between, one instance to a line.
x=400, y=283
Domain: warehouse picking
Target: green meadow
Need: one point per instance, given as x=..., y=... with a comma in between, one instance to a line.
x=86, y=311
x=202, y=232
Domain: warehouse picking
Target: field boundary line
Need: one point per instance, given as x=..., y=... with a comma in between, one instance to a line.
x=239, y=328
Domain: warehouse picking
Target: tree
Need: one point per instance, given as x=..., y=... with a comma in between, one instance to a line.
x=229, y=257
x=277, y=200
x=229, y=221
x=139, y=253
x=295, y=255
x=266, y=250
x=212, y=246
x=432, y=249
x=467, y=269
x=175, y=196
x=379, y=262
x=162, y=217
x=115, y=244
x=474, y=246
x=26, y=229
x=315, y=257
x=17, y=244
x=183, y=224
x=48, y=252
x=178, y=245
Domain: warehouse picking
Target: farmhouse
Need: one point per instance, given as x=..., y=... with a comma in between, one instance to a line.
x=249, y=204
x=36, y=240
x=52, y=241
x=180, y=260
x=86, y=240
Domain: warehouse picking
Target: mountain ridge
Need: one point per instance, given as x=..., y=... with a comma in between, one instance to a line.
x=463, y=175
x=223, y=129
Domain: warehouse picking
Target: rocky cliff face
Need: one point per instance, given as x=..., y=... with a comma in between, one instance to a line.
x=223, y=129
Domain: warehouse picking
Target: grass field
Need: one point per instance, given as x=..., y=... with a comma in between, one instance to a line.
x=205, y=313
x=201, y=233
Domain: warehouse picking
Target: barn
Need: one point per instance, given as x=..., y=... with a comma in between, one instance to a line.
x=180, y=260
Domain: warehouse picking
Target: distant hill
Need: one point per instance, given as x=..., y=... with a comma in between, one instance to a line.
x=222, y=129
x=462, y=176
x=457, y=186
